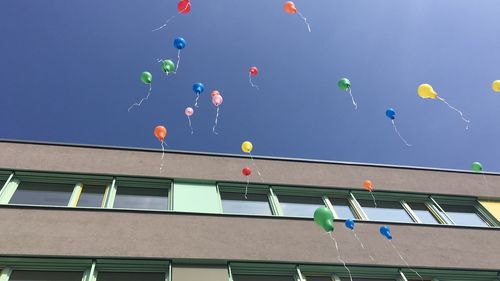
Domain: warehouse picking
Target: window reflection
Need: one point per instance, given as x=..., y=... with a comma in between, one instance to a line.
x=464, y=215
x=296, y=206
x=342, y=207
x=91, y=196
x=130, y=276
x=141, y=198
x=237, y=277
x=22, y=275
x=254, y=204
x=385, y=211
x=51, y=194
x=423, y=213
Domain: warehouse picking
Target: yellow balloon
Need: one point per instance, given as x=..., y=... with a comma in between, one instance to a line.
x=496, y=85
x=426, y=91
x=246, y=146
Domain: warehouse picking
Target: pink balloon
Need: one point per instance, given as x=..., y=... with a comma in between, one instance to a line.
x=188, y=111
x=217, y=100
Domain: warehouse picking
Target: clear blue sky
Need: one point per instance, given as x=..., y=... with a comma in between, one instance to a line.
x=70, y=69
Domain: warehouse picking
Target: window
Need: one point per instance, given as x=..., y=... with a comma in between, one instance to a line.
x=316, y=278
x=423, y=213
x=32, y=193
x=24, y=275
x=464, y=215
x=342, y=207
x=254, y=204
x=261, y=278
x=91, y=196
x=365, y=279
x=296, y=206
x=141, y=198
x=130, y=276
x=385, y=211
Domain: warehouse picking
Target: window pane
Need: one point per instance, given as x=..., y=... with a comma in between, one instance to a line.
x=141, y=198
x=255, y=204
x=365, y=279
x=423, y=213
x=91, y=196
x=52, y=194
x=309, y=278
x=130, y=276
x=342, y=208
x=385, y=211
x=21, y=275
x=295, y=206
x=463, y=215
x=261, y=278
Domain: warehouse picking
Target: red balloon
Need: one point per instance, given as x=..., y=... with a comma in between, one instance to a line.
x=184, y=6
x=160, y=133
x=246, y=171
x=254, y=71
x=368, y=185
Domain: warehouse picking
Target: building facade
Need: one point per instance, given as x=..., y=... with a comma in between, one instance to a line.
x=103, y=214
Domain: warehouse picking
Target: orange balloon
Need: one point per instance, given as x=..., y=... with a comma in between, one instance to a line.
x=367, y=184
x=290, y=7
x=215, y=93
x=160, y=133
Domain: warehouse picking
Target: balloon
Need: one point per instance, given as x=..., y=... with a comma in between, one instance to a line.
x=390, y=113
x=425, y=91
x=246, y=171
x=217, y=100
x=198, y=88
x=324, y=218
x=188, y=111
x=214, y=93
x=160, y=133
x=246, y=147
x=254, y=71
x=168, y=66
x=367, y=184
x=386, y=232
x=344, y=84
x=290, y=7
x=477, y=167
x=496, y=85
x=349, y=223
x=179, y=43
x=146, y=77
x=184, y=6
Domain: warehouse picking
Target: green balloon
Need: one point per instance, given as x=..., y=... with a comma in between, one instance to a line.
x=146, y=77
x=168, y=66
x=477, y=167
x=344, y=84
x=324, y=218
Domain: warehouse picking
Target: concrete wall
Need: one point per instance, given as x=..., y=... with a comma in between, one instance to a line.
x=110, y=233
x=225, y=168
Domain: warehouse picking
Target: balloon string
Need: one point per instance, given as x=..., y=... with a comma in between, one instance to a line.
x=196, y=101
x=459, y=112
x=178, y=61
x=374, y=201
x=401, y=257
x=139, y=104
x=338, y=255
x=251, y=82
x=162, y=155
x=305, y=20
x=246, y=187
x=362, y=245
x=396, y=129
x=191, y=127
x=352, y=98
x=215, y=125
x=166, y=22
x=256, y=168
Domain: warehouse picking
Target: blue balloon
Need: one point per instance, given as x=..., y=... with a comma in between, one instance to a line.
x=179, y=43
x=349, y=223
x=391, y=113
x=386, y=232
x=198, y=88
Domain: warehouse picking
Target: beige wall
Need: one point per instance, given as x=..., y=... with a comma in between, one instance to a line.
x=224, y=168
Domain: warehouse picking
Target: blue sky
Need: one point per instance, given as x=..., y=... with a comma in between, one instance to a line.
x=69, y=70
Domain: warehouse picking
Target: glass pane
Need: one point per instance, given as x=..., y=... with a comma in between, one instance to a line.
x=51, y=194
x=295, y=206
x=423, y=213
x=309, y=278
x=385, y=211
x=131, y=276
x=91, y=196
x=22, y=275
x=342, y=208
x=463, y=215
x=365, y=279
x=141, y=198
x=261, y=278
x=255, y=204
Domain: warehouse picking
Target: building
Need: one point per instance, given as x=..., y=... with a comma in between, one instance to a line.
x=86, y=213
